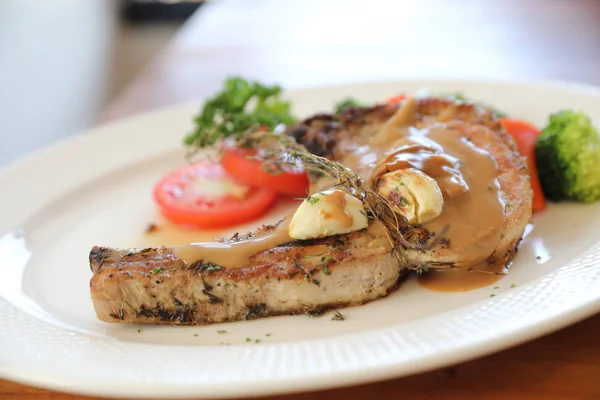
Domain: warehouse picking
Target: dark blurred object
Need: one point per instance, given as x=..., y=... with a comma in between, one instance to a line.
x=140, y=11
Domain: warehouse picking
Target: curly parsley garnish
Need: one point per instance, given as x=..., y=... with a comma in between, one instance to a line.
x=238, y=107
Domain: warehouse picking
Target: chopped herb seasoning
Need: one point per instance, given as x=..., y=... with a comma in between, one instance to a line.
x=257, y=341
x=316, y=282
x=492, y=295
x=538, y=258
x=268, y=334
x=509, y=204
x=513, y=285
x=496, y=287
x=326, y=259
x=196, y=335
x=139, y=331
x=338, y=316
x=325, y=271
x=151, y=228
x=248, y=339
x=212, y=299
x=255, y=311
x=313, y=200
x=221, y=331
x=490, y=188
x=404, y=201
x=156, y=270
x=128, y=274
x=307, y=256
x=177, y=302
x=316, y=312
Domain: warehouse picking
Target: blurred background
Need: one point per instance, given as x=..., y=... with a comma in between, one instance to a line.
x=63, y=61
x=66, y=65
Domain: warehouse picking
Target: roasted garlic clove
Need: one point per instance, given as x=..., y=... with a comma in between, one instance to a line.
x=413, y=194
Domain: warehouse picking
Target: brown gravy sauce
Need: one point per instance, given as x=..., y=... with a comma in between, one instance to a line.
x=234, y=254
x=337, y=210
x=475, y=217
x=467, y=177
x=456, y=281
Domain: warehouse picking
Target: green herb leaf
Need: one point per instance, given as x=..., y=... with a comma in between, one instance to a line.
x=404, y=201
x=156, y=270
x=338, y=316
x=239, y=106
x=221, y=331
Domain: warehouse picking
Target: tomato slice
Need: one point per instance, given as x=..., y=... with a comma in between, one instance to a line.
x=204, y=195
x=526, y=135
x=237, y=162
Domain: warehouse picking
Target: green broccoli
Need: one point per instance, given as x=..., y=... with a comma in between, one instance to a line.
x=568, y=158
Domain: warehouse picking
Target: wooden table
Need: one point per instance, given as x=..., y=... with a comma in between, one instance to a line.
x=312, y=42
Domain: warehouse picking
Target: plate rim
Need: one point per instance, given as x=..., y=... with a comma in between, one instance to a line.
x=586, y=307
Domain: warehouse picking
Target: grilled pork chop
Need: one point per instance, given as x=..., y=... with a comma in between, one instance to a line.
x=157, y=286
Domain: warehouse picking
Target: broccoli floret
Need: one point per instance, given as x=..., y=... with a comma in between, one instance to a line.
x=568, y=158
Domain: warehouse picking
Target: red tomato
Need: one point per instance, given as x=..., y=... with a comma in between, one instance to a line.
x=526, y=135
x=251, y=172
x=205, y=196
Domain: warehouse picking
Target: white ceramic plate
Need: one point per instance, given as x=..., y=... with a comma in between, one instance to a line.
x=95, y=189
